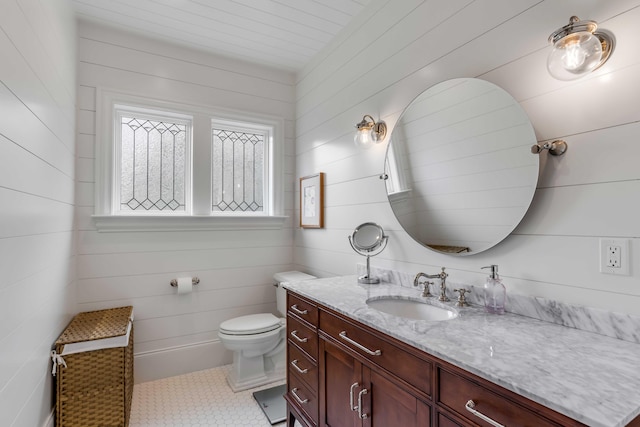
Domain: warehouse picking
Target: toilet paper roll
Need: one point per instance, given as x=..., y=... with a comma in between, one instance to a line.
x=185, y=285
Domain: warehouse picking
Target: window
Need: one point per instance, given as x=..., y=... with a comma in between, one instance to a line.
x=152, y=167
x=171, y=166
x=239, y=170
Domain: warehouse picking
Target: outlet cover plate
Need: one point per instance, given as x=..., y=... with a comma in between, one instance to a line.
x=623, y=244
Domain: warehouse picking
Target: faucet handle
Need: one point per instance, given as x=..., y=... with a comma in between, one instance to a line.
x=416, y=282
x=462, y=300
x=425, y=291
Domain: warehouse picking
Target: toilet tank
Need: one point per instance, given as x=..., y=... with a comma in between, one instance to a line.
x=281, y=293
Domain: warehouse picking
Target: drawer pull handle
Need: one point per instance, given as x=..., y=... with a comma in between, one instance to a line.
x=295, y=335
x=344, y=336
x=295, y=309
x=294, y=363
x=294, y=391
x=351, y=404
x=470, y=407
x=360, y=414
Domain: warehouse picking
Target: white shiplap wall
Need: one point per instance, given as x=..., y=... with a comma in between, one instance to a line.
x=177, y=333
x=395, y=50
x=37, y=155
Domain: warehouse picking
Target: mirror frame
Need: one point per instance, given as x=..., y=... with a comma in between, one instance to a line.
x=379, y=237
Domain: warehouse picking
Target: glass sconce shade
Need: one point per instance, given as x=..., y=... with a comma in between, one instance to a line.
x=574, y=56
x=369, y=132
x=578, y=49
x=363, y=138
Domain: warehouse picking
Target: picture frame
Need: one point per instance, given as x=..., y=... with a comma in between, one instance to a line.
x=312, y=201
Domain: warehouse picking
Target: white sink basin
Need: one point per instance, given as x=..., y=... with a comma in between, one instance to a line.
x=412, y=309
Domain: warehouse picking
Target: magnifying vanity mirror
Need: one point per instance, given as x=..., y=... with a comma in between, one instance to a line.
x=368, y=239
x=459, y=171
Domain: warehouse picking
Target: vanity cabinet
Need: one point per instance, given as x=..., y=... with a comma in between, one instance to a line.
x=356, y=376
x=302, y=361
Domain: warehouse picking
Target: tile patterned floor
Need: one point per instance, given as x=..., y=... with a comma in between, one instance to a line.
x=198, y=399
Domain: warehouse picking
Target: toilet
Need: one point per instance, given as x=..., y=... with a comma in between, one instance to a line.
x=258, y=341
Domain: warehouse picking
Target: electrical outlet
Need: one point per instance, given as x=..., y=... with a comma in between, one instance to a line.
x=614, y=256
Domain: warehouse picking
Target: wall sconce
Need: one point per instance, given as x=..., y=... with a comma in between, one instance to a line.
x=369, y=132
x=556, y=148
x=578, y=49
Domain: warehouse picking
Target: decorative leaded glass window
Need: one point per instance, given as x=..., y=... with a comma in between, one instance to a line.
x=153, y=163
x=239, y=169
x=166, y=165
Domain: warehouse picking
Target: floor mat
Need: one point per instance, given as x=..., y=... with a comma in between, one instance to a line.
x=272, y=403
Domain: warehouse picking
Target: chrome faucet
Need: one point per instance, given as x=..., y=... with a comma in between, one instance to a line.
x=443, y=285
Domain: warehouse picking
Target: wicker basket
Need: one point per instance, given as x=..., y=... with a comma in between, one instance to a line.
x=96, y=387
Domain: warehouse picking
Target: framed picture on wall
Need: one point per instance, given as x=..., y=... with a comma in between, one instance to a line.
x=312, y=201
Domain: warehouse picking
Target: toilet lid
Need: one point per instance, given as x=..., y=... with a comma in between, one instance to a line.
x=251, y=324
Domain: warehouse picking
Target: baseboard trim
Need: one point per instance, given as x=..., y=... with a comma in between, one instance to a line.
x=169, y=362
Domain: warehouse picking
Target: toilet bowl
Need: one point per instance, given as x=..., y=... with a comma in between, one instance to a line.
x=258, y=341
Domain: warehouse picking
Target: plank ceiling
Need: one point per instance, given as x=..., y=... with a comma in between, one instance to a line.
x=281, y=33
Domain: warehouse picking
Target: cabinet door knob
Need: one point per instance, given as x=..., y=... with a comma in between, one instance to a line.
x=344, y=336
x=470, y=407
x=296, y=310
x=295, y=335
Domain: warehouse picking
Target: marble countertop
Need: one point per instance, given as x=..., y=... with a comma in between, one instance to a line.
x=589, y=377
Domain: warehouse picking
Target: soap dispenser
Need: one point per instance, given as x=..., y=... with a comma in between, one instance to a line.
x=494, y=292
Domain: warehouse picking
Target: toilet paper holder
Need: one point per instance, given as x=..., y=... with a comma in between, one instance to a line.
x=194, y=280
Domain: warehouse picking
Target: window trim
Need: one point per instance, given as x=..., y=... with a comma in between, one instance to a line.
x=199, y=219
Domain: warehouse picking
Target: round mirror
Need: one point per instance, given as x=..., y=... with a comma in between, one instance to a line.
x=459, y=171
x=368, y=239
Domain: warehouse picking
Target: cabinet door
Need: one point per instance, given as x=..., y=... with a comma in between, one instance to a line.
x=340, y=383
x=346, y=385
x=388, y=404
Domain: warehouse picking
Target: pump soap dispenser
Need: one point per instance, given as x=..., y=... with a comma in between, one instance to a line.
x=494, y=292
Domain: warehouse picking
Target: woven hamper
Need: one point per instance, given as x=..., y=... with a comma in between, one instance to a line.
x=95, y=386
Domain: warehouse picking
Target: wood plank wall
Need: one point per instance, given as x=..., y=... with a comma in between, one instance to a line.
x=394, y=51
x=177, y=333
x=37, y=156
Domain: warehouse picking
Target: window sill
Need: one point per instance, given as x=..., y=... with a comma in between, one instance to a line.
x=122, y=223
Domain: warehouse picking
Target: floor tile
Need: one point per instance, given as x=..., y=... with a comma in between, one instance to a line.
x=198, y=399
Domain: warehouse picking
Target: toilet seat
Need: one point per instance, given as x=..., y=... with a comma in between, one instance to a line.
x=250, y=325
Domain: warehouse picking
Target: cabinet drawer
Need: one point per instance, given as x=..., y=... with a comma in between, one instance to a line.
x=302, y=398
x=302, y=336
x=300, y=365
x=444, y=421
x=455, y=391
x=302, y=309
x=413, y=370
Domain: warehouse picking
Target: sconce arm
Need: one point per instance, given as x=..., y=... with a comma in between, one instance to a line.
x=556, y=148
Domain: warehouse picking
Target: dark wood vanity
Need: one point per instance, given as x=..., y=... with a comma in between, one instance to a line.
x=343, y=373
